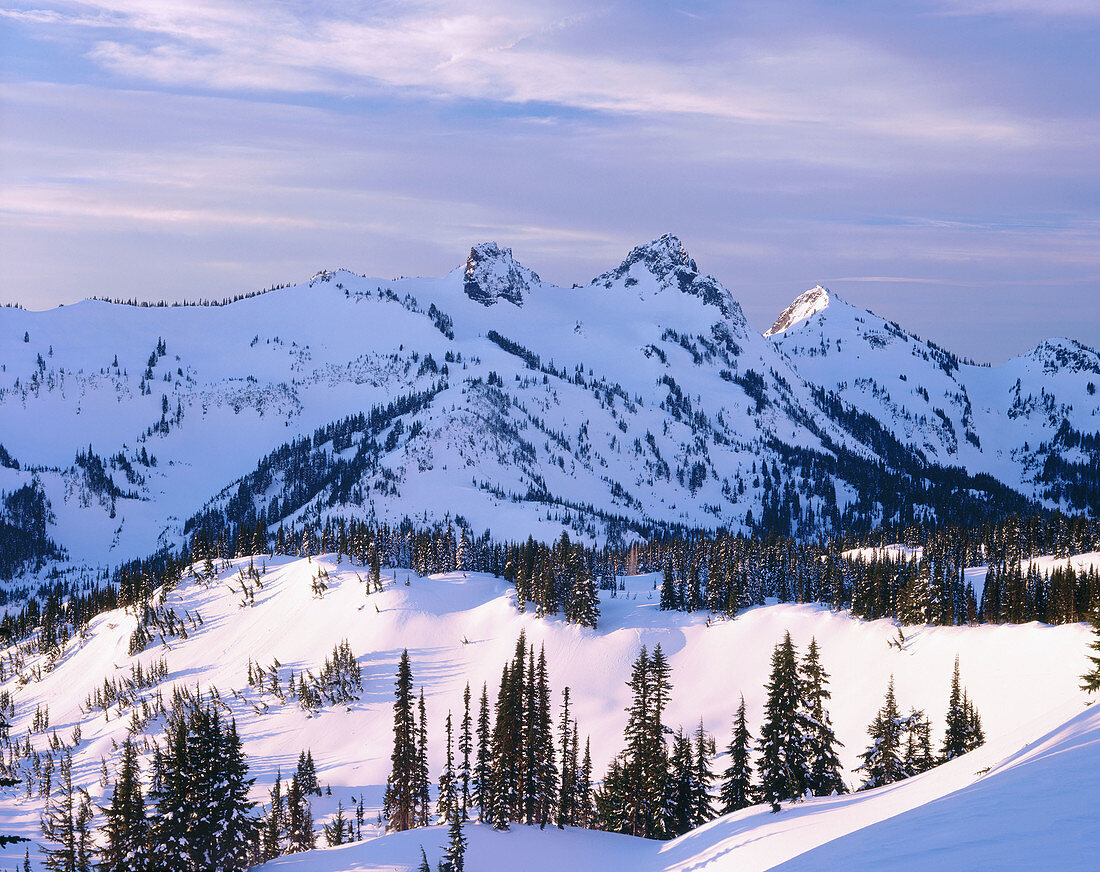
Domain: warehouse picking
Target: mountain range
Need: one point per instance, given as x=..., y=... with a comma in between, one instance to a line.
x=640, y=402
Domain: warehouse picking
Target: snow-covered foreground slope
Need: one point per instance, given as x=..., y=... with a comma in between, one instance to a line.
x=462, y=628
x=1019, y=803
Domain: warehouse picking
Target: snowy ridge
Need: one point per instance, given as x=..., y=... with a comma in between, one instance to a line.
x=462, y=627
x=1019, y=422
x=643, y=399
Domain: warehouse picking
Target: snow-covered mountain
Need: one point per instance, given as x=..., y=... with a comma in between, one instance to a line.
x=461, y=627
x=1030, y=422
x=639, y=400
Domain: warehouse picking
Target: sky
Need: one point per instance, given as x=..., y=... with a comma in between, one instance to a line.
x=935, y=161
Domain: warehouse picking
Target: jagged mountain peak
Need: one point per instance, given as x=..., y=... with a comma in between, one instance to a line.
x=667, y=261
x=492, y=274
x=805, y=305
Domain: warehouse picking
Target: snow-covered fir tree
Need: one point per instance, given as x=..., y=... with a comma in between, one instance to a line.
x=737, y=790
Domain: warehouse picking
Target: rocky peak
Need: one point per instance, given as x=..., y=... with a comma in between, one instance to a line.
x=806, y=304
x=667, y=261
x=492, y=274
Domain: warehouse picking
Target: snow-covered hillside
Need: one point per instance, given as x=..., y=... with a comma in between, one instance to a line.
x=1021, y=803
x=1020, y=422
x=642, y=398
x=462, y=628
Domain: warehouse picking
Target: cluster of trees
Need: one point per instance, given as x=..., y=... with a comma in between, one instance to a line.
x=504, y=762
x=196, y=817
x=507, y=764
x=717, y=572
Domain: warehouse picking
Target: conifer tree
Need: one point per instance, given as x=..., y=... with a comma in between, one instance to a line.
x=737, y=791
x=402, y=787
x=465, y=747
x=66, y=822
x=454, y=859
x=668, y=590
x=955, y=740
x=583, y=811
x=680, y=798
x=703, y=809
x=168, y=793
x=544, y=772
x=423, y=776
x=644, y=766
x=784, y=764
x=483, y=768
x=339, y=831
x=447, y=805
x=567, y=791
x=882, y=763
x=306, y=773
x=274, y=830
x=126, y=823
x=916, y=743
x=1090, y=681
x=235, y=828
x=300, y=835
x=825, y=778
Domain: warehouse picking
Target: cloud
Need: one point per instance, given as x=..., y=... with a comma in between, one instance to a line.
x=1046, y=9
x=539, y=54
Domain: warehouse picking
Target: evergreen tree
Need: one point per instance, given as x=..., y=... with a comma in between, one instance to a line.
x=825, y=779
x=955, y=740
x=300, y=835
x=680, y=800
x=585, y=602
x=703, y=808
x=423, y=776
x=1090, y=681
x=454, y=859
x=483, y=768
x=126, y=823
x=66, y=822
x=339, y=831
x=916, y=743
x=275, y=823
x=567, y=791
x=465, y=745
x=644, y=766
x=232, y=809
x=200, y=790
x=544, y=771
x=402, y=787
x=882, y=763
x=785, y=768
x=669, y=599
x=583, y=810
x=737, y=791
x=447, y=806
x=169, y=796
x=306, y=774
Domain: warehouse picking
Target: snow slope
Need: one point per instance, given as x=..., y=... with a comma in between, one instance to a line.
x=461, y=628
x=1002, y=807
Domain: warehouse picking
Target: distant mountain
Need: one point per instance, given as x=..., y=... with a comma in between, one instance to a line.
x=642, y=401
x=1032, y=422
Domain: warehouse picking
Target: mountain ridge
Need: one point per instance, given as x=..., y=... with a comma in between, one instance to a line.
x=641, y=401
